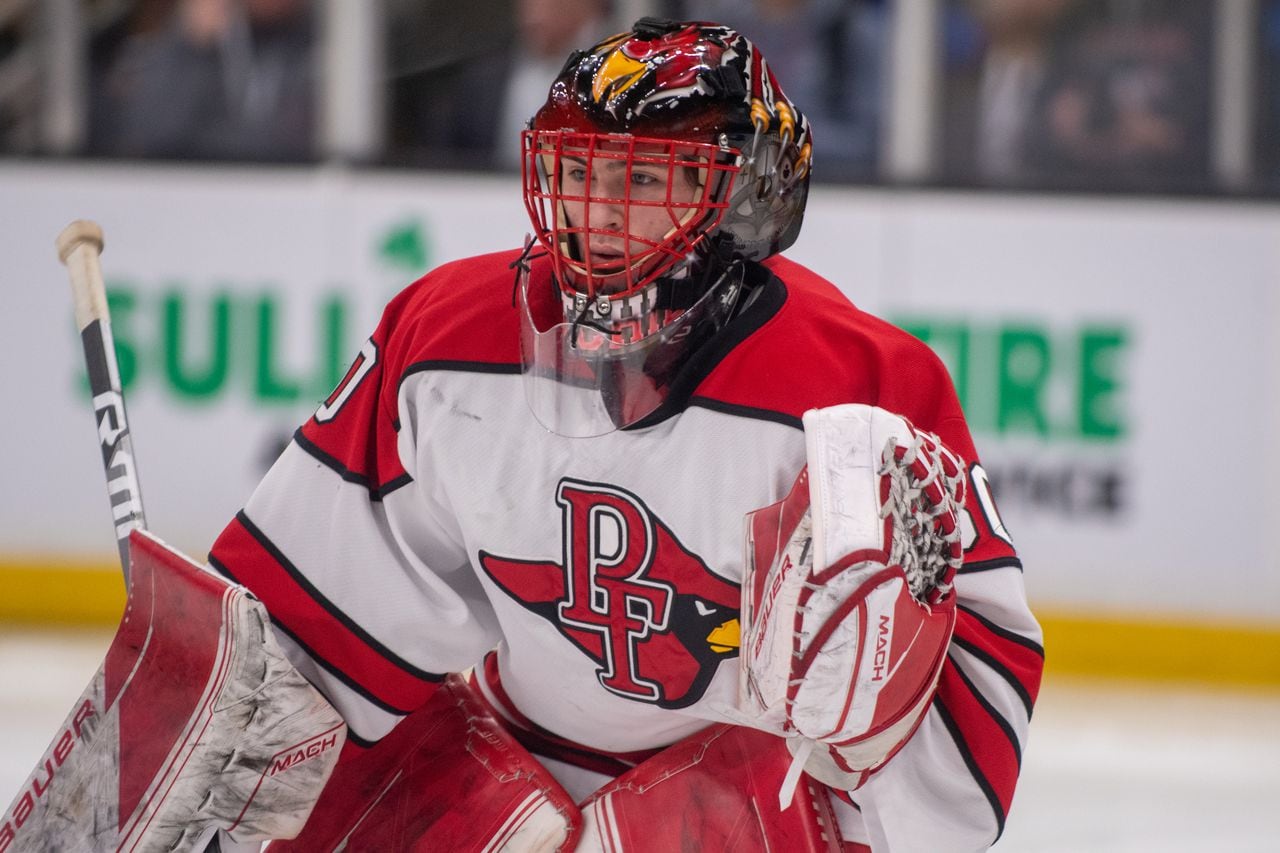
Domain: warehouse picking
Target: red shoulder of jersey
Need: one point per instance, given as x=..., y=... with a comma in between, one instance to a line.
x=461, y=313
x=459, y=316
x=818, y=350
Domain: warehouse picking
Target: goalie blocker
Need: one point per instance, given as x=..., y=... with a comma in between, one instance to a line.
x=847, y=600
x=195, y=722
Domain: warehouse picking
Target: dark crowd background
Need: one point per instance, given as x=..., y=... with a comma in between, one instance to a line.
x=1097, y=95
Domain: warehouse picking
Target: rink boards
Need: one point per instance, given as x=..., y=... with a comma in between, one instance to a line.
x=1116, y=359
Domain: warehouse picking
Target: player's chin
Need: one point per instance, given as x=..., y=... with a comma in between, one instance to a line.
x=607, y=274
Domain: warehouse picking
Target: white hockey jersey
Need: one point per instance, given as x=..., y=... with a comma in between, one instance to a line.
x=423, y=518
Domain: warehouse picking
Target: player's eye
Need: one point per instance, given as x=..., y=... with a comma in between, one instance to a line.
x=577, y=174
x=643, y=179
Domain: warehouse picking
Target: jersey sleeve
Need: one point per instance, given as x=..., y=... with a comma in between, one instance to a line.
x=951, y=785
x=355, y=554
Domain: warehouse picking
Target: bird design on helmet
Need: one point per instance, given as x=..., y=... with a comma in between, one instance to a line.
x=675, y=62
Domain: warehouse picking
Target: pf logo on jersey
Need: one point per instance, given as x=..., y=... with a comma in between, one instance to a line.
x=649, y=612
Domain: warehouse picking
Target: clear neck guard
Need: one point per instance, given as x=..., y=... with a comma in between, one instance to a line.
x=589, y=371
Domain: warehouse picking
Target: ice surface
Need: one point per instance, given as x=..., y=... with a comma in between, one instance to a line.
x=1111, y=767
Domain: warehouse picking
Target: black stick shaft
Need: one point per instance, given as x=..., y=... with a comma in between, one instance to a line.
x=118, y=462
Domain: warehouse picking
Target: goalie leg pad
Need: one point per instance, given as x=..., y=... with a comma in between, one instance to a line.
x=447, y=777
x=195, y=721
x=715, y=790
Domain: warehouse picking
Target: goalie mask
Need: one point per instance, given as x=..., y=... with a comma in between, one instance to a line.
x=662, y=159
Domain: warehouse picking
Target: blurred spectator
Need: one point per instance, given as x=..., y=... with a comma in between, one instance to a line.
x=548, y=31
x=468, y=76
x=19, y=77
x=831, y=54
x=998, y=53
x=446, y=66
x=206, y=79
x=1127, y=100
x=1081, y=93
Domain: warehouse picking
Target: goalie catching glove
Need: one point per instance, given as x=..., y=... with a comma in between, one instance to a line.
x=848, y=597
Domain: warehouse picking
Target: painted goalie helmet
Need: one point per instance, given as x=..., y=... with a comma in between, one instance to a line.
x=661, y=158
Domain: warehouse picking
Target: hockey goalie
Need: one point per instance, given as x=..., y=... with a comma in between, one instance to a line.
x=643, y=537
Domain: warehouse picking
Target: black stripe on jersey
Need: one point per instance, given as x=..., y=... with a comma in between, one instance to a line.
x=359, y=741
x=457, y=367
x=331, y=608
x=972, y=763
x=376, y=492
x=335, y=671
x=1002, y=632
x=990, y=565
x=217, y=566
x=998, y=668
x=745, y=412
x=338, y=674
x=997, y=665
x=991, y=711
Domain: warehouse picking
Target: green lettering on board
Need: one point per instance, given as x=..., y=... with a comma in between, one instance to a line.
x=269, y=383
x=192, y=375
x=1024, y=366
x=1024, y=378
x=1100, y=385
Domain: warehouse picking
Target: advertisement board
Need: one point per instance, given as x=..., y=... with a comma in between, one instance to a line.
x=1116, y=357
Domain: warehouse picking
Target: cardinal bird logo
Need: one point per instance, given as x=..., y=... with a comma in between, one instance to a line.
x=677, y=59
x=650, y=613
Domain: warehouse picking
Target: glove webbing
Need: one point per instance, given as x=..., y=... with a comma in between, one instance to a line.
x=919, y=543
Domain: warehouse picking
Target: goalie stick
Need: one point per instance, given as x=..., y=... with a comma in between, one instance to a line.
x=79, y=246
x=196, y=725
